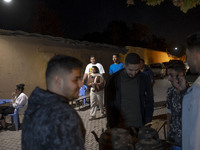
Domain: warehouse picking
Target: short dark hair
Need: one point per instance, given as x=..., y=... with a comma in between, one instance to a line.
x=116, y=55
x=176, y=65
x=95, y=67
x=132, y=58
x=20, y=87
x=61, y=63
x=142, y=60
x=92, y=56
x=193, y=41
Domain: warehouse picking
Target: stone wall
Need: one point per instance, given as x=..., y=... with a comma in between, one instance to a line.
x=24, y=59
x=150, y=56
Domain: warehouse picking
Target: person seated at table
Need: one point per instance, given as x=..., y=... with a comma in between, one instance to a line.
x=96, y=82
x=18, y=99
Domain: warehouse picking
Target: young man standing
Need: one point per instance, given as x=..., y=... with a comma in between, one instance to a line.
x=116, y=66
x=88, y=69
x=191, y=101
x=129, y=96
x=96, y=83
x=49, y=122
x=176, y=75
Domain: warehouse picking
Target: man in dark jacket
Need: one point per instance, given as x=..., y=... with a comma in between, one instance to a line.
x=49, y=122
x=146, y=69
x=129, y=96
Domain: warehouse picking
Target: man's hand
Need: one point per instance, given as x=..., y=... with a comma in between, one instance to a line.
x=180, y=82
x=13, y=94
x=84, y=77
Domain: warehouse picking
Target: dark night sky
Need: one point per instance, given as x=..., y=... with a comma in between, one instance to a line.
x=79, y=17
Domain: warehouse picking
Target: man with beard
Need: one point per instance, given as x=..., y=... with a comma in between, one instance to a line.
x=49, y=122
x=88, y=69
x=191, y=101
x=129, y=96
x=116, y=66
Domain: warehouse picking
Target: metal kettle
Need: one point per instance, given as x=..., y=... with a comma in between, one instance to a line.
x=148, y=139
x=115, y=139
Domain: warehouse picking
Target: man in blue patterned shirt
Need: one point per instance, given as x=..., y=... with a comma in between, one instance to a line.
x=176, y=75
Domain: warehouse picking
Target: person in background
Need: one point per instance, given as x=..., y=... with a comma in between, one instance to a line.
x=191, y=100
x=116, y=66
x=129, y=96
x=49, y=121
x=146, y=69
x=176, y=75
x=96, y=82
x=88, y=69
x=18, y=99
x=82, y=92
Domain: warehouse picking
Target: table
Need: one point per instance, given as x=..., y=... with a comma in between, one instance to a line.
x=4, y=101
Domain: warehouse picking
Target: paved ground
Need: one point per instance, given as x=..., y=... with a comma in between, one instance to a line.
x=11, y=139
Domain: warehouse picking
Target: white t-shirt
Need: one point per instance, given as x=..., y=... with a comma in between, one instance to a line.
x=88, y=68
x=20, y=100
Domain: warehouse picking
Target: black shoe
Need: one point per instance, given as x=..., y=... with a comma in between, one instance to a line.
x=1, y=128
x=5, y=129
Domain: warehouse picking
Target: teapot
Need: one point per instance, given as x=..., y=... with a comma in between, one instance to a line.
x=115, y=139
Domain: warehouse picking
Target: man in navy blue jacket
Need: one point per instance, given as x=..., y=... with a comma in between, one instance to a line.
x=129, y=96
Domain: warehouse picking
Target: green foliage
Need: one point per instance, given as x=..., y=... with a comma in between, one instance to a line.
x=184, y=5
x=188, y=4
x=153, y=2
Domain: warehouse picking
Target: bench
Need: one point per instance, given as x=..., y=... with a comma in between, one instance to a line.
x=79, y=100
x=159, y=105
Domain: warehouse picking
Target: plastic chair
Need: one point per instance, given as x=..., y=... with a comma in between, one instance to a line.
x=82, y=92
x=15, y=115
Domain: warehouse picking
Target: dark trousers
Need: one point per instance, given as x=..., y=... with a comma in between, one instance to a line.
x=5, y=110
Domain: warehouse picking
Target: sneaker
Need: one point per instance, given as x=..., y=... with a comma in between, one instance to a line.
x=92, y=118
